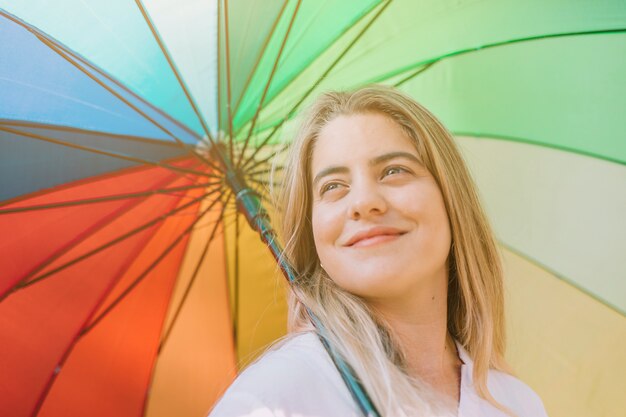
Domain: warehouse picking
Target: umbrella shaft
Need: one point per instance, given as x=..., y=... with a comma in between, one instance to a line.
x=249, y=204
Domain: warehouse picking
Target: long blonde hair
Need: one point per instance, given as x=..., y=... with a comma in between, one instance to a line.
x=475, y=285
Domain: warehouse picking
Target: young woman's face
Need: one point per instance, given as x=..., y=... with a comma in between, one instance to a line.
x=379, y=222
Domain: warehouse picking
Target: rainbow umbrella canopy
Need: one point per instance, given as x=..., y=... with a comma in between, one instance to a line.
x=129, y=284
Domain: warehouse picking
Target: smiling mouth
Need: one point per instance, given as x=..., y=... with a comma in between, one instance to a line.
x=375, y=240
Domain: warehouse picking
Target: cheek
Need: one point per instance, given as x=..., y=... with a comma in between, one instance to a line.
x=438, y=227
x=320, y=232
x=327, y=227
x=326, y=224
x=427, y=209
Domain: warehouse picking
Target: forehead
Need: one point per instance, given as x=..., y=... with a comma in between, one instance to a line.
x=357, y=138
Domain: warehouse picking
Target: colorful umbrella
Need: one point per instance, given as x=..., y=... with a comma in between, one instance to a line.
x=130, y=285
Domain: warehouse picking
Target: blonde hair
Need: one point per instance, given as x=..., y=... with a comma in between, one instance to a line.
x=475, y=284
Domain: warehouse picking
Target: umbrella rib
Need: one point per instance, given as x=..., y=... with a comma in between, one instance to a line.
x=63, y=52
x=72, y=129
x=434, y=60
x=415, y=74
x=228, y=75
x=266, y=171
x=83, y=181
x=452, y=54
x=39, y=34
x=265, y=183
x=175, y=70
x=534, y=142
x=145, y=273
x=74, y=341
x=72, y=344
x=182, y=144
x=283, y=148
x=232, y=308
x=230, y=213
x=205, y=251
x=362, y=16
x=319, y=80
x=106, y=153
x=103, y=222
x=172, y=323
x=148, y=193
x=269, y=81
x=258, y=60
x=48, y=41
x=114, y=241
x=474, y=49
x=236, y=286
x=219, y=65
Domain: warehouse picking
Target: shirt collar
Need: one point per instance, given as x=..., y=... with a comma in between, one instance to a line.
x=463, y=355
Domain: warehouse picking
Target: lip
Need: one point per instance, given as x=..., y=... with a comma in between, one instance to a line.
x=373, y=236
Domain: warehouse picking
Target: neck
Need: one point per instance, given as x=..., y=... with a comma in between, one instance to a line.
x=419, y=323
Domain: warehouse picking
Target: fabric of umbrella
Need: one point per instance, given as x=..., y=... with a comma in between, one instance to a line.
x=129, y=284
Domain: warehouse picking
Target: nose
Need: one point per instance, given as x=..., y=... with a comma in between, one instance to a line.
x=365, y=200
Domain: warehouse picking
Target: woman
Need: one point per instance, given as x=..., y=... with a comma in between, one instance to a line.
x=395, y=257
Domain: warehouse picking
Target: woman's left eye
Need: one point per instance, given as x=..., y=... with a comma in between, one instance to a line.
x=393, y=170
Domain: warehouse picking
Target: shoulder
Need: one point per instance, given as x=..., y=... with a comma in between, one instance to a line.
x=293, y=377
x=299, y=359
x=514, y=393
x=505, y=388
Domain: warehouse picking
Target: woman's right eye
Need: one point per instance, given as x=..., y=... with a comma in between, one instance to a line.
x=329, y=187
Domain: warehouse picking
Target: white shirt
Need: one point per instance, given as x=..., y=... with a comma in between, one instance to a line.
x=299, y=379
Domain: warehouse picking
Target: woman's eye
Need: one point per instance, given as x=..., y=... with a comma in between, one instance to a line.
x=329, y=187
x=393, y=170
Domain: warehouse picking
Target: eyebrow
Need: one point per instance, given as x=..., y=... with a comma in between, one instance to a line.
x=373, y=162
